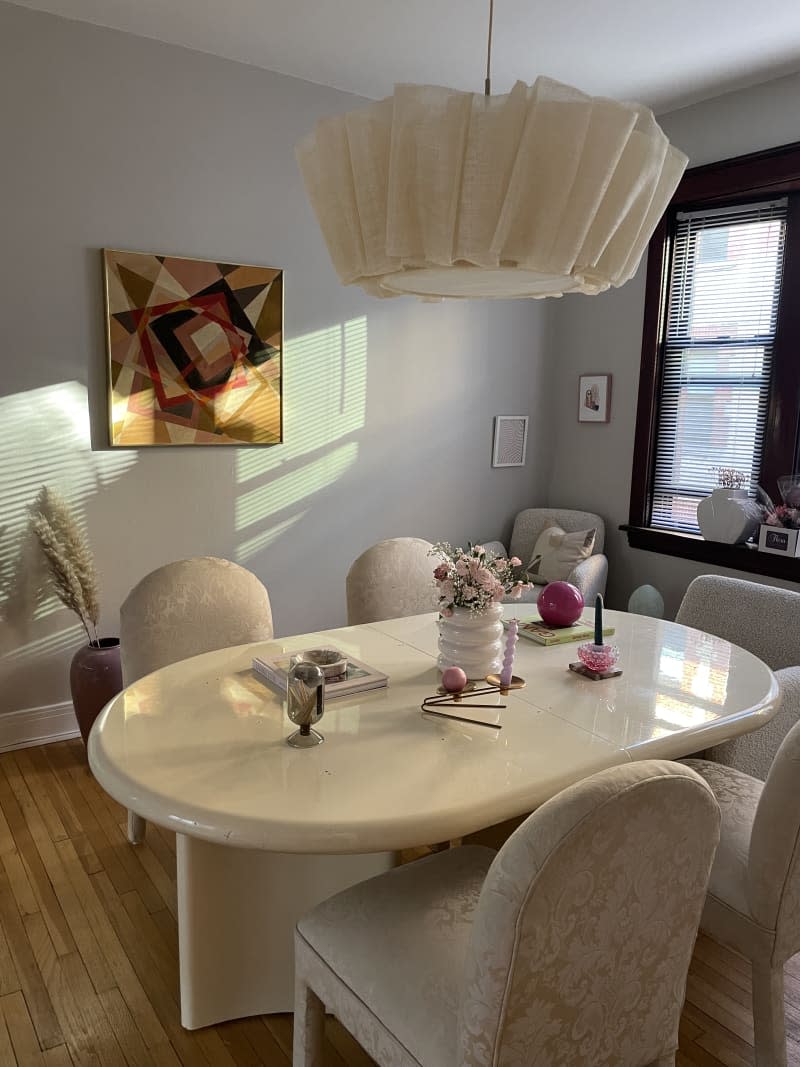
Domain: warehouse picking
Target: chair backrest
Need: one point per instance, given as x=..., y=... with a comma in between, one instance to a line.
x=188, y=607
x=391, y=580
x=531, y=522
x=586, y=922
x=761, y=618
x=773, y=869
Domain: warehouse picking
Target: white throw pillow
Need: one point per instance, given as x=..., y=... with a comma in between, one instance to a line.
x=557, y=553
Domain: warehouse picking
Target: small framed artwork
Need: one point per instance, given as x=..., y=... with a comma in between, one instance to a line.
x=594, y=398
x=510, y=440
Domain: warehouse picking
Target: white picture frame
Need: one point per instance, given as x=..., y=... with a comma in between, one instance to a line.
x=510, y=440
x=594, y=398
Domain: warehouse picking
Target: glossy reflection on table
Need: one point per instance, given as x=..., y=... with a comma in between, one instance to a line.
x=266, y=831
x=200, y=746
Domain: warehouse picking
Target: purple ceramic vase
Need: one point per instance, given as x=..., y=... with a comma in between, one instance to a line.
x=95, y=676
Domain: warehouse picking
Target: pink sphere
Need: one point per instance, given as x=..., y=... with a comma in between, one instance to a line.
x=453, y=679
x=560, y=604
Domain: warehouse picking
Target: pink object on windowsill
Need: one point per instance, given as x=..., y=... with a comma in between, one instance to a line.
x=598, y=658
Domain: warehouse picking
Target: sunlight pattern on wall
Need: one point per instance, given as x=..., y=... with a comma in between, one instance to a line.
x=46, y=441
x=325, y=379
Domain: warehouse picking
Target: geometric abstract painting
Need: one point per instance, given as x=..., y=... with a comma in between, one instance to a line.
x=194, y=351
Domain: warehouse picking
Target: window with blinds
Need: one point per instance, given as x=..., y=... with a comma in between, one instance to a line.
x=722, y=305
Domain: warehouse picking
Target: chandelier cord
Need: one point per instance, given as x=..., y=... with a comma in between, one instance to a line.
x=487, y=85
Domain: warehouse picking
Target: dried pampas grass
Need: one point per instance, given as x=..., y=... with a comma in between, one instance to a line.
x=69, y=558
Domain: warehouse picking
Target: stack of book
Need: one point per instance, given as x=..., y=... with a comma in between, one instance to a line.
x=358, y=677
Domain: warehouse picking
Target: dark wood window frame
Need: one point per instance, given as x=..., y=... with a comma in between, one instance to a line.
x=731, y=181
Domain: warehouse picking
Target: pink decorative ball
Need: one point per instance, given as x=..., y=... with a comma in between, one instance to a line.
x=453, y=679
x=560, y=604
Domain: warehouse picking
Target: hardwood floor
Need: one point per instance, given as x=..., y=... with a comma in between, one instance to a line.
x=88, y=946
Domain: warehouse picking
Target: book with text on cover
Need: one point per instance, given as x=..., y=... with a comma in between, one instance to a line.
x=542, y=634
x=358, y=679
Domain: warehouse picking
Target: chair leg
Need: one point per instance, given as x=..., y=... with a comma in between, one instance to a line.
x=136, y=828
x=768, y=1016
x=309, y=1026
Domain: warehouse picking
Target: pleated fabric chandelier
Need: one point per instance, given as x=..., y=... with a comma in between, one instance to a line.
x=440, y=193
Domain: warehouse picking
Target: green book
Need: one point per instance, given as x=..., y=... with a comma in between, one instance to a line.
x=542, y=634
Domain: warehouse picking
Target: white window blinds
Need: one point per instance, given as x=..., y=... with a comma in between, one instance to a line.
x=722, y=306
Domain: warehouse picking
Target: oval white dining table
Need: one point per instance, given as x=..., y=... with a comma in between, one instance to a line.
x=266, y=831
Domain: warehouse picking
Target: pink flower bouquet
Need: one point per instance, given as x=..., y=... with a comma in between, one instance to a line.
x=474, y=578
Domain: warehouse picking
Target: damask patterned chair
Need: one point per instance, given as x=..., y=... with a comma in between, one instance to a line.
x=568, y=948
x=391, y=580
x=589, y=575
x=766, y=621
x=753, y=902
x=183, y=609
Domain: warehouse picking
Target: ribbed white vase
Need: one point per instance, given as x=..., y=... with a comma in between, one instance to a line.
x=472, y=642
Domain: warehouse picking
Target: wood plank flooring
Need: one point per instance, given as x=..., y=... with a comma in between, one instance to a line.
x=88, y=946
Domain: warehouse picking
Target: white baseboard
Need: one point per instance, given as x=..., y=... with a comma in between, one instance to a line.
x=37, y=726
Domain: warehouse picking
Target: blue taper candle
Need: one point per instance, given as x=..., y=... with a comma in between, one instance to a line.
x=598, y=620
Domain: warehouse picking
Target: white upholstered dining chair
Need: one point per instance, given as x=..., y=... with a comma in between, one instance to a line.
x=753, y=903
x=766, y=621
x=568, y=948
x=391, y=580
x=183, y=609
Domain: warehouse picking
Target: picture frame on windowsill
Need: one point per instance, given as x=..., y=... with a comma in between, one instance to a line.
x=779, y=540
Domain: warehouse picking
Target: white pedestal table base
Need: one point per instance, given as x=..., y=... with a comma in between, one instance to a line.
x=237, y=910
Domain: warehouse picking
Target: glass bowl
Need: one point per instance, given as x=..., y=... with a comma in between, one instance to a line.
x=598, y=658
x=331, y=662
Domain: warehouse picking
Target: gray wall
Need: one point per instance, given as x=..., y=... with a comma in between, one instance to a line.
x=592, y=463
x=112, y=140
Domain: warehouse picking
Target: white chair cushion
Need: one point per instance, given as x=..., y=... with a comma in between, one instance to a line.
x=557, y=553
x=737, y=795
x=401, y=941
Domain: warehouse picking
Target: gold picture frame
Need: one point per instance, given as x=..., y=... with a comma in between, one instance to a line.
x=195, y=351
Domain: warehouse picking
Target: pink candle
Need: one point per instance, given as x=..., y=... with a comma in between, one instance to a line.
x=508, y=659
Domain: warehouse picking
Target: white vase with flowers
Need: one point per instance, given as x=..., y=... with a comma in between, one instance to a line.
x=472, y=585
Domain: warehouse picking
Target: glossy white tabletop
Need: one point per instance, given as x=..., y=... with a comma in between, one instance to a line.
x=200, y=746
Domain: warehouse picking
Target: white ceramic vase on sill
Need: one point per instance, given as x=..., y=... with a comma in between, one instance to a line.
x=473, y=642
x=729, y=516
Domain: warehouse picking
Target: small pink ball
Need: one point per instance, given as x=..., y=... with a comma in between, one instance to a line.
x=560, y=604
x=453, y=679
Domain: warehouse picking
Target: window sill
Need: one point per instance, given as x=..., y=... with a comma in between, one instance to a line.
x=736, y=557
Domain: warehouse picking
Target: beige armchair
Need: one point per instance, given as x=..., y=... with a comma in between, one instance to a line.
x=589, y=575
x=391, y=580
x=185, y=608
x=570, y=947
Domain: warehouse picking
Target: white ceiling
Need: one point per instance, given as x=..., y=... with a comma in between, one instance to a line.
x=665, y=53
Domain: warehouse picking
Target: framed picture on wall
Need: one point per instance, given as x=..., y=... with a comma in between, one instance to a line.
x=594, y=398
x=510, y=440
x=194, y=351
